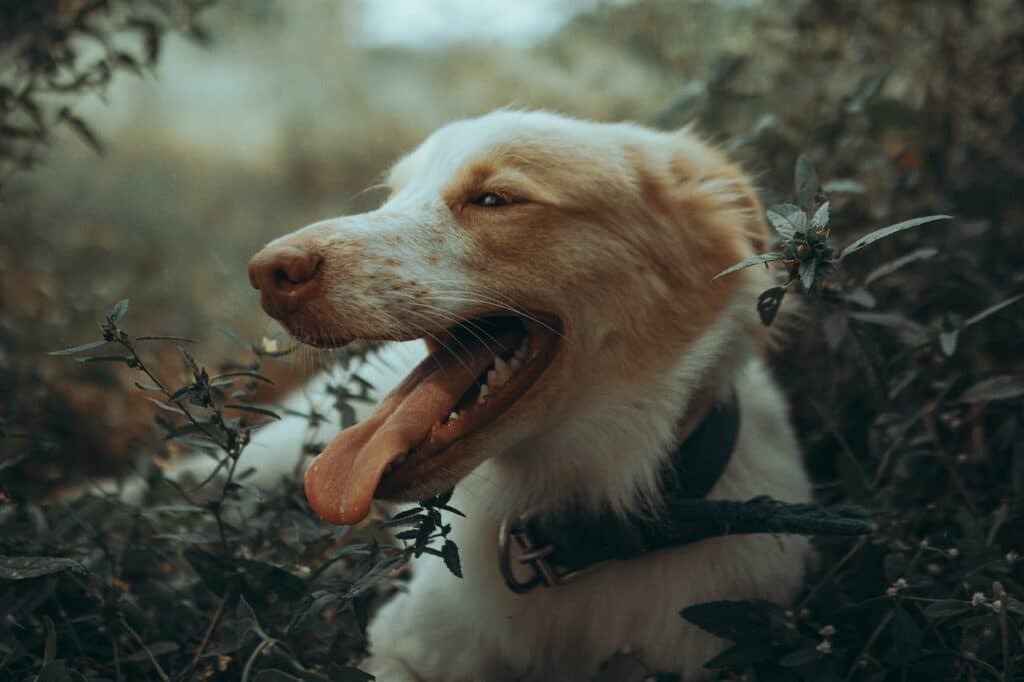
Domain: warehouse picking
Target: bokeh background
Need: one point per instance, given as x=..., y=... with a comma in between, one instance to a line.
x=261, y=116
x=283, y=114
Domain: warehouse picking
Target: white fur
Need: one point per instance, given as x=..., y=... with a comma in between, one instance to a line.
x=603, y=446
x=444, y=628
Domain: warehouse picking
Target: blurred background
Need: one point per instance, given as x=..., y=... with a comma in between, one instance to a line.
x=225, y=124
x=259, y=117
x=148, y=148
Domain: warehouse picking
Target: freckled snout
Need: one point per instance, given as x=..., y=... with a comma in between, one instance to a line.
x=287, y=278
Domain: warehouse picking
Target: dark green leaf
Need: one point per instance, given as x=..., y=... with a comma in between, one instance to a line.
x=781, y=221
x=807, y=274
x=264, y=576
x=79, y=349
x=884, y=232
x=768, y=304
x=213, y=570
x=946, y=608
x=119, y=311
x=181, y=339
x=821, y=216
x=165, y=406
x=756, y=260
x=80, y=128
x=992, y=310
x=805, y=181
x=947, y=342
x=741, y=655
x=246, y=373
x=423, y=534
x=844, y=186
x=737, y=621
x=909, y=331
x=450, y=553
x=25, y=567
x=190, y=361
x=892, y=266
x=255, y=410
x=105, y=358
x=862, y=297
x=1005, y=387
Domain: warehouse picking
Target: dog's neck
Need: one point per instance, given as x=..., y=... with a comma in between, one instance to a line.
x=612, y=455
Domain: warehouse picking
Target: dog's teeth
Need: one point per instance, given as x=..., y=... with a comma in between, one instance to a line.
x=500, y=374
x=483, y=393
x=453, y=416
x=515, y=363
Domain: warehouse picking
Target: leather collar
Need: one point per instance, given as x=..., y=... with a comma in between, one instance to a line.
x=560, y=547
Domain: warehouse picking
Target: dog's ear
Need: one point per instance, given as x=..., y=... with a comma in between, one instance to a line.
x=709, y=198
x=707, y=175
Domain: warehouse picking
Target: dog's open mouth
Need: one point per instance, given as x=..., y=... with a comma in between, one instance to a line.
x=483, y=367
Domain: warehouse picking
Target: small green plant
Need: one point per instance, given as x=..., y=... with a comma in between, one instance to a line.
x=805, y=246
x=60, y=51
x=199, y=578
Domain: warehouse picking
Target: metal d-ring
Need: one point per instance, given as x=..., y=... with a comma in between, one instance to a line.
x=515, y=530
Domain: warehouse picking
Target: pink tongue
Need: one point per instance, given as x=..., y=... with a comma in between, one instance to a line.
x=341, y=481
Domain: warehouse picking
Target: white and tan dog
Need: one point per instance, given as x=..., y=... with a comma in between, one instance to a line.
x=560, y=272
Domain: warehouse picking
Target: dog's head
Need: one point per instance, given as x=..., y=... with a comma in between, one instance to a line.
x=549, y=263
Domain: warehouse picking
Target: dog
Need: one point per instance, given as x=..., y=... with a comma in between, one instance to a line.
x=556, y=336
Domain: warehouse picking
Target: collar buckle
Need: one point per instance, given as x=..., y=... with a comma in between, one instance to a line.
x=516, y=531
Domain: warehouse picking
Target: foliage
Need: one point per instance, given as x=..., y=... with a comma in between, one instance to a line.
x=191, y=580
x=59, y=51
x=901, y=362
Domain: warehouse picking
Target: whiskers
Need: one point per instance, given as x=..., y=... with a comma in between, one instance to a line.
x=493, y=297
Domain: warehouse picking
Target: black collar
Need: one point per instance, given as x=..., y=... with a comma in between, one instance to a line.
x=560, y=547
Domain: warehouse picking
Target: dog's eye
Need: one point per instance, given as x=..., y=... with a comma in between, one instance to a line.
x=490, y=200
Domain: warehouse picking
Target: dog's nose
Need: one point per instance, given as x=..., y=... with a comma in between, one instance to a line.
x=286, y=277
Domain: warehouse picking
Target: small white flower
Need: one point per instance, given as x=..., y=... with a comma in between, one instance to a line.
x=953, y=552
x=824, y=646
x=996, y=606
x=827, y=631
x=1011, y=557
x=891, y=591
x=978, y=599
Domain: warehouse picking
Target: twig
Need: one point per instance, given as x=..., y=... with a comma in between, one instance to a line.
x=145, y=647
x=209, y=631
x=831, y=572
x=265, y=644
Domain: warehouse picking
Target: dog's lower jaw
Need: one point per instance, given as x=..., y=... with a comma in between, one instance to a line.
x=445, y=628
